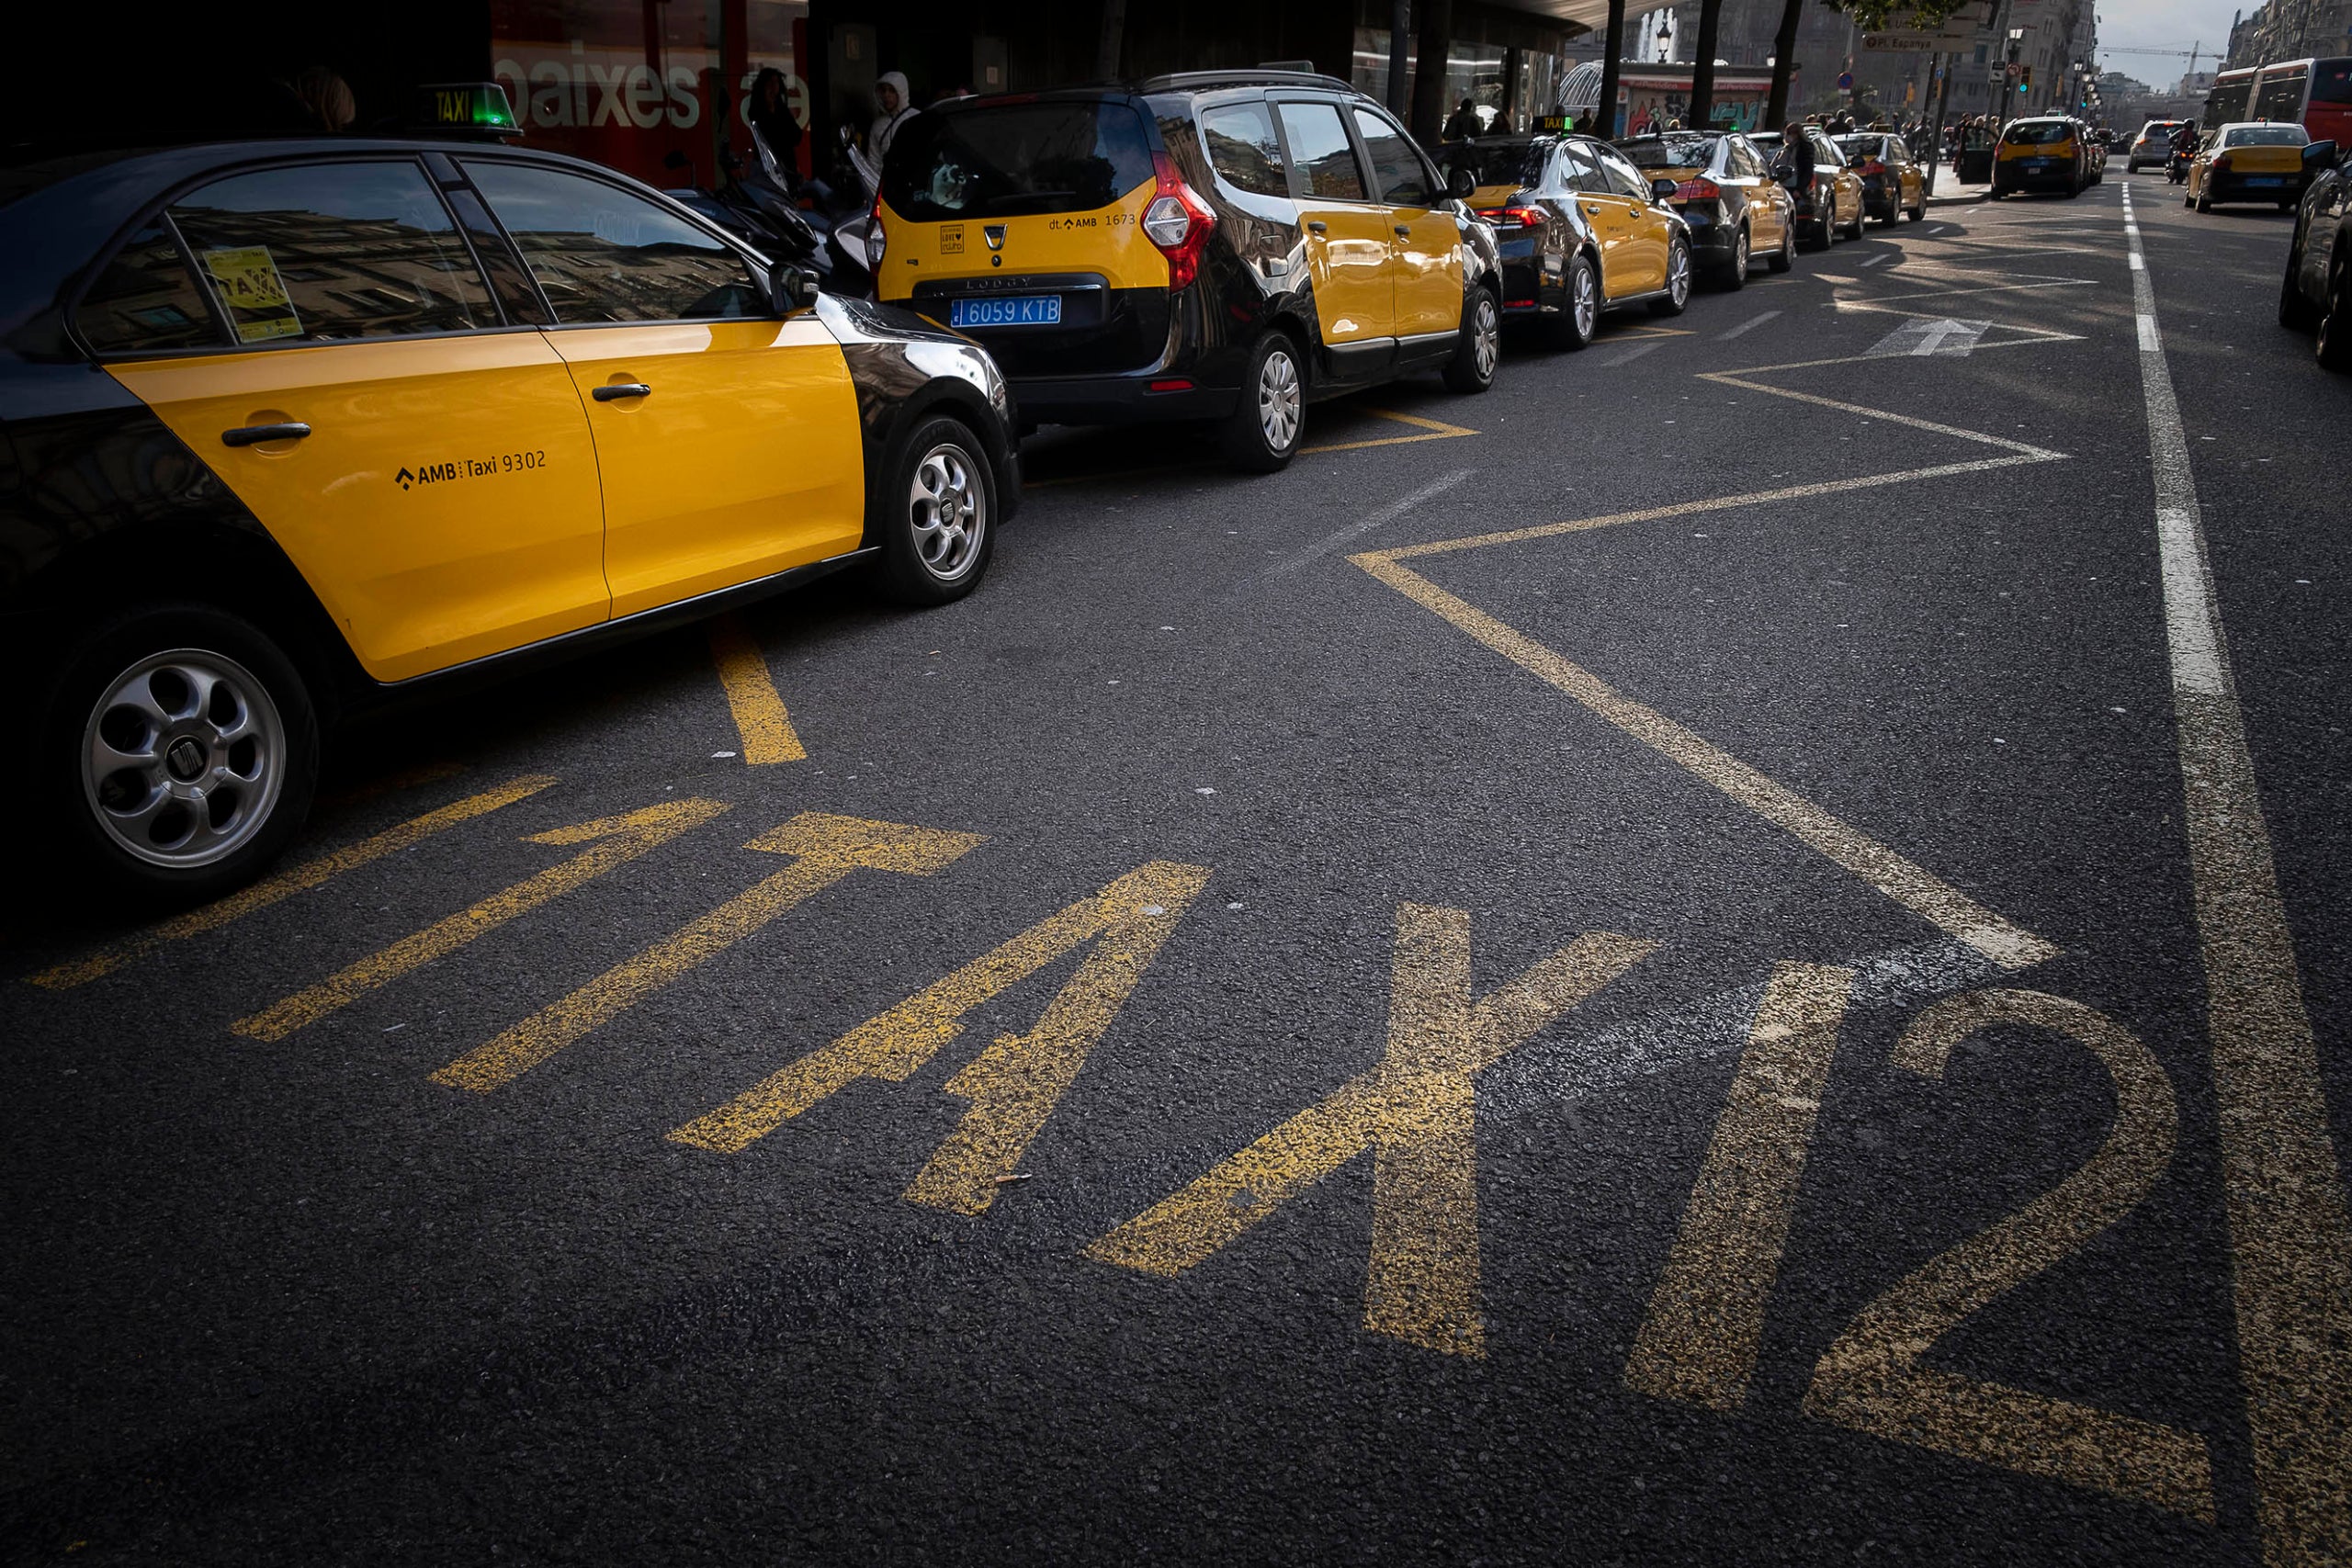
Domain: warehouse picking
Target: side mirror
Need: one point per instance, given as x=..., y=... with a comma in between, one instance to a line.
x=2319, y=154
x=1460, y=183
x=791, y=290
x=1661, y=190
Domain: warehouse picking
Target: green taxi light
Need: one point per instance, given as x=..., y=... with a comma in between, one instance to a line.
x=480, y=107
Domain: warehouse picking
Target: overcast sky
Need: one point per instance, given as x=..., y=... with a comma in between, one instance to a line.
x=2163, y=24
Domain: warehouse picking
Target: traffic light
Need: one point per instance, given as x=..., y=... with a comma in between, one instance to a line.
x=2025, y=78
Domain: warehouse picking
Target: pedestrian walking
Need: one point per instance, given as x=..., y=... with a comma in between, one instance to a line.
x=1461, y=124
x=897, y=106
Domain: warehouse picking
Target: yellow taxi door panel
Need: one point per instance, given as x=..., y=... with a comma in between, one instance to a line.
x=444, y=505
x=1639, y=260
x=1425, y=244
x=1350, y=248
x=741, y=458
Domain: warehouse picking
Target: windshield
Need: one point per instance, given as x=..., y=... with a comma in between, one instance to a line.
x=1012, y=160
x=1513, y=163
x=1767, y=141
x=2160, y=127
x=1690, y=149
x=2264, y=136
x=2037, y=132
x=1869, y=146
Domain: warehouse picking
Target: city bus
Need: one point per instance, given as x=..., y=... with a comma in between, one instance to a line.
x=2314, y=94
x=2232, y=94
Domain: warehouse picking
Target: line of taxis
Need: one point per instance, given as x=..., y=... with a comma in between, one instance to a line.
x=293, y=433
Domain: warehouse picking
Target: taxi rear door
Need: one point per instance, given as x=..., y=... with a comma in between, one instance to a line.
x=728, y=441
x=426, y=467
x=1347, y=240
x=1426, y=255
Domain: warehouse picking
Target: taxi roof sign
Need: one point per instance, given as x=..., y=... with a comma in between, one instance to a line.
x=474, y=108
x=1552, y=124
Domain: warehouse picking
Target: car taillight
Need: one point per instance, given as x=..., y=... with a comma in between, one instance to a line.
x=2221, y=164
x=1701, y=189
x=1873, y=167
x=1513, y=217
x=876, y=242
x=1177, y=222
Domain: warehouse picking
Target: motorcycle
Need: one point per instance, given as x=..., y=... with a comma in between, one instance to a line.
x=850, y=243
x=2176, y=166
x=758, y=206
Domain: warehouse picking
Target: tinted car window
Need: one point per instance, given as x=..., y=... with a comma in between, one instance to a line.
x=1243, y=148
x=146, y=300
x=1744, y=162
x=1397, y=170
x=332, y=250
x=2332, y=82
x=1320, y=152
x=2265, y=136
x=1625, y=179
x=1686, y=150
x=1015, y=159
x=1500, y=162
x=2036, y=132
x=602, y=255
x=1583, y=174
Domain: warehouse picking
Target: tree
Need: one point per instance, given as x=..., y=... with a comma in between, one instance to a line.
x=1879, y=15
x=1703, y=69
x=1784, y=49
x=1605, y=122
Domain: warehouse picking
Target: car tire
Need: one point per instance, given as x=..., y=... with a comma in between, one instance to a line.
x=1918, y=214
x=2204, y=201
x=2334, y=346
x=1734, y=275
x=935, y=515
x=2287, y=207
x=1262, y=434
x=1480, y=352
x=217, y=737
x=1676, y=297
x=1579, y=315
x=1815, y=236
x=1854, y=229
x=1785, y=257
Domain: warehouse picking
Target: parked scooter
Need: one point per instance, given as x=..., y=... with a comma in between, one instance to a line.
x=852, y=205
x=757, y=205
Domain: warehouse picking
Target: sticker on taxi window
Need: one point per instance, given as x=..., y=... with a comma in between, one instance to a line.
x=951, y=240
x=246, y=280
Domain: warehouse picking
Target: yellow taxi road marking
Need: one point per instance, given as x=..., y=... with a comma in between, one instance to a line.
x=1705, y=1322
x=1646, y=330
x=2291, y=1238
x=1915, y=888
x=1014, y=1085
x=1419, y=420
x=760, y=715
x=1874, y=1377
x=623, y=838
x=825, y=849
x=286, y=884
x=1415, y=1114
x=1432, y=430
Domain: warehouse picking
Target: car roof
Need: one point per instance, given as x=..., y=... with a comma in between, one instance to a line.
x=1260, y=76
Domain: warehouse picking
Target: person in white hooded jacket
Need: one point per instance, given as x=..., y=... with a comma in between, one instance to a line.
x=898, y=108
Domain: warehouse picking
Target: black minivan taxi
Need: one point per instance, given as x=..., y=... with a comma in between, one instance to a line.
x=1225, y=245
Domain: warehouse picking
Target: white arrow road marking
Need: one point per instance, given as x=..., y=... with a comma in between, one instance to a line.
x=1940, y=334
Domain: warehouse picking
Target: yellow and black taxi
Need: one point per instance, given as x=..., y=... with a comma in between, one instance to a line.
x=1829, y=206
x=1724, y=192
x=1578, y=229
x=288, y=428
x=2255, y=160
x=2317, y=290
x=1221, y=245
x=1894, y=184
x=2045, y=152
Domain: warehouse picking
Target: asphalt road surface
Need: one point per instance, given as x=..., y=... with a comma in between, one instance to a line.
x=1731, y=953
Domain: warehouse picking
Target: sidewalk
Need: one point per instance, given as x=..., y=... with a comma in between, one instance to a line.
x=1950, y=192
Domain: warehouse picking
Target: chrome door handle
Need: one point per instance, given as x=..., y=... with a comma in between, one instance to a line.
x=1317, y=226
x=254, y=434
x=620, y=389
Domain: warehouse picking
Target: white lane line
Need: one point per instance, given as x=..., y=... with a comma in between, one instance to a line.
x=1626, y=356
x=1748, y=325
x=1386, y=514
x=2290, y=1240
x=1872, y=260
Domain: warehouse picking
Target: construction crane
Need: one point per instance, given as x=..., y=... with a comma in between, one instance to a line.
x=2189, y=54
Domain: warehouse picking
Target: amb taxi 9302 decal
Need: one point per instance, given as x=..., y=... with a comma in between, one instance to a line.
x=470, y=468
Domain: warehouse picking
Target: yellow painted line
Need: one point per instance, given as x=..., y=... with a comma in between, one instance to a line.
x=1415, y=1114
x=1706, y=1318
x=1874, y=1377
x=826, y=848
x=1128, y=922
x=1434, y=430
x=1915, y=888
x=625, y=837
x=760, y=715
x=1648, y=330
x=1418, y=421
x=286, y=884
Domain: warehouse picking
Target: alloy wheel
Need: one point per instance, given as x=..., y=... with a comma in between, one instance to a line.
x=1278, y=399
x=183, y=759
x=1586, y=302
x=1740, y=254
x=1677, y=274
x=1486, y=343
x=947, y=511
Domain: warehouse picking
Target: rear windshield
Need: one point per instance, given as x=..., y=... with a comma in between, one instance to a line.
x=1869, y=146
x=1514, y=163
x=2265, y=136
x=2037, y=132
x=1669, y=152
x=2155, y=127
x=1012, y=160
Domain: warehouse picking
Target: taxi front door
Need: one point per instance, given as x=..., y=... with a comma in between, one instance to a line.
x=429, y=474
x=1426, y=244
x=1348, y=242
x=728, y=441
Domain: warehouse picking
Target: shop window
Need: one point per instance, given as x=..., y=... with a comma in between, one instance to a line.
x=600, y=254
x=1243, y=150
x=332, y=250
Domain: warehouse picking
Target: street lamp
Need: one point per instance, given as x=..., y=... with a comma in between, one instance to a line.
x=1665, y=35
